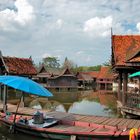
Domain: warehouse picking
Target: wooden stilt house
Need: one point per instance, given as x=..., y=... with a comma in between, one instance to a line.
x=125, y=60
x=65, y=81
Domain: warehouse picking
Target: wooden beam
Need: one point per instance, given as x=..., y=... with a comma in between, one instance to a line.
x=5, y=98
x=120, y=87
x=125, y=81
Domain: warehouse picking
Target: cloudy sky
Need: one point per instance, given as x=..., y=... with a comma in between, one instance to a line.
x=78, y=29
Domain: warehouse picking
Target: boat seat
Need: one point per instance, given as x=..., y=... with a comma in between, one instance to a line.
x=45, y=124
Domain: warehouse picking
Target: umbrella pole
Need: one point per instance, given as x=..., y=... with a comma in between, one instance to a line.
x=5, y=98
x=12, y=127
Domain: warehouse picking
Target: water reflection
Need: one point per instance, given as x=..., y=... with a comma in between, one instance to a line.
x=35, y=104
x=89, y=103
x=89, y=108
x=60, y=108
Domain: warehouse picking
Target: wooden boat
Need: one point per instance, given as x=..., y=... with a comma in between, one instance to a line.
x=64, y=129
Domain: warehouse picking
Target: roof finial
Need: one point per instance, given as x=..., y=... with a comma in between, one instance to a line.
x=30, y=57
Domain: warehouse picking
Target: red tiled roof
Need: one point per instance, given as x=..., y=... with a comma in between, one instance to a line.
x=135, y=59
x=105, y=73
x=125, y=47
x=20, y=66
x=93, y=74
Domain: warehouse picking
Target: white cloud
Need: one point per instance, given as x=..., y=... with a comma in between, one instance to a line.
x=79, y=53
x=79, y=28
x=46, y=55
x=98, y=26
x=10, y=17
x=138, y=26
x=51, y=55
x=25, y=12
x=59, y=23
x=88, y=59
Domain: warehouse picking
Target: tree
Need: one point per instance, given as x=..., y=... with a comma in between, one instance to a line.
x=51, y=62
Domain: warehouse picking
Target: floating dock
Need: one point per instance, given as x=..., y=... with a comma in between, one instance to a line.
x=75, y=118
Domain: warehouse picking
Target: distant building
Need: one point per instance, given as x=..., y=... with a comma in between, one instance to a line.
x=105, y=79
x=17, y=66
x=94, y=75
x=87, y=80
x=61, y=80
x=43, y=75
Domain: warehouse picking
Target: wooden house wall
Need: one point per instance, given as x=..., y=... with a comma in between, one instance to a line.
x=63, y=81
x=104, y=84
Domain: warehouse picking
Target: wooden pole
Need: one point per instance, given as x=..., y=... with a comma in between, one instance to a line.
x=12, y=128
x=22, y=100
x=125, y=81
x=120, y=87
x=5, y=98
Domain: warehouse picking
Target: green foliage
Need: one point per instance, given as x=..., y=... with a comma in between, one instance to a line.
x=51, y=62
x=86, y=68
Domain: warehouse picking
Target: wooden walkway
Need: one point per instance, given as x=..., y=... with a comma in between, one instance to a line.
x=117, y=122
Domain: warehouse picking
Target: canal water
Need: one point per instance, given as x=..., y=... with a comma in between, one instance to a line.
x=81, y=102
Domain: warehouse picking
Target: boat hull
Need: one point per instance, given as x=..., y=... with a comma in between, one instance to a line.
x=62, y=136
x=64, y=130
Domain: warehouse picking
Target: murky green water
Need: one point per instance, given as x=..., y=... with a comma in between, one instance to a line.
x=85, y=102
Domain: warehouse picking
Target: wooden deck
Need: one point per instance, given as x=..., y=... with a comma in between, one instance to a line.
x=118, y=122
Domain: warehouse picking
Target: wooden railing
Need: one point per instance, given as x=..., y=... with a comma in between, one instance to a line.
x=133, y=100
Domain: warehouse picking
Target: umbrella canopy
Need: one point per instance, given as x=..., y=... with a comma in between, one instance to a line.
x=25, y=84
x=134, y=74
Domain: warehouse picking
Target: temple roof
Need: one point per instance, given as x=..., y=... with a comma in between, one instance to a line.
x=125, y=49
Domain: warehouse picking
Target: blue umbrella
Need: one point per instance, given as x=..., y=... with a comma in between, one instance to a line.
x=25, y=84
